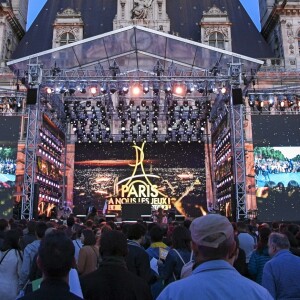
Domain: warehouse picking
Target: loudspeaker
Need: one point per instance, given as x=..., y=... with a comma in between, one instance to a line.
x=133, y=212
x=110, y=218
x=31, y=96
x=237, y=96
x=35, y=203
x=179, y=218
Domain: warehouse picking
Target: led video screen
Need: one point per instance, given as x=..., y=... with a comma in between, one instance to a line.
x=277, y=167
x=163, y=175
x=9, y=135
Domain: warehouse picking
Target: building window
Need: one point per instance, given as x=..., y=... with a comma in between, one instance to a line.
x=66, y=38
x=216, y=39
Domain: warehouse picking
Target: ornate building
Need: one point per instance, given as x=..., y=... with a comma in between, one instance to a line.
x=223, y=24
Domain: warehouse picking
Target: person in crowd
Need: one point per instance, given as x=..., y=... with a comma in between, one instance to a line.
x=29, y=236
x=260, y=256
x=240, y=260
x=157, y=251
x=160, y=217
x=281, y=274
x=88, y=258
x=179, y=254
x=89, y=224
x=4, y=226
x=246, y=240
x=29, y=253
x=11, y=258
x=214, y=276
x=293, y=243
x=137, y=259
x=69, y=230
x=55, y=259
x=112, y=280
x=77, y=240
x=98, y=232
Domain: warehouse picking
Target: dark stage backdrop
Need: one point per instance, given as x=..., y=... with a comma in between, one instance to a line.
x=9, y=135
x=276, y=142
x=163, y=175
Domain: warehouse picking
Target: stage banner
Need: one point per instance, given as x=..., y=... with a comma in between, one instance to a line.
x=163, y=175
x=276, y=141
x=9, y=136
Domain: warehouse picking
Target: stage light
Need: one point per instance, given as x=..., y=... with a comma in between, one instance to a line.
x=72, y=87
x=167, y=140
x=82, y=88
x=290, y=99
x=49, y=90
x=190, y=88
x=131, y=103
x=167, y=87
x=113, y=87
x=223, y=89
x=270, y=100
x=156, y=87
x=93, y=90
x=185, y=103
x=133, y=121
x=88, y=103
x=146, y=87
x=144, y=122
x=136, y=89
x=211, y=88
x=251, y=100
x=200, y=87
x=103, y=88
x=124, y=89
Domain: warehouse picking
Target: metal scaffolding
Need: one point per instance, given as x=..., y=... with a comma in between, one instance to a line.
x=30, y=162
x=238, y=155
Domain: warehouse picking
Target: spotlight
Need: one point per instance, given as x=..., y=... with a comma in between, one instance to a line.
x=136, y=89
x=190, y=88
x=93, y=90
x=82, y=88
x=167, y=88
x=143, y=103
x=103, y=88
x=88, y=103
x=146, y=87
x=223, y=89
x=124, y=89
x=201, y=87
x=270, y=100
x=179, y=89
x=185, y=103
x=211, y=88
x=156, y=87
x=72, y=88
x=251, y=100
x=290, y=99
x=113, y=87
x=98, y=103
x=49, y=90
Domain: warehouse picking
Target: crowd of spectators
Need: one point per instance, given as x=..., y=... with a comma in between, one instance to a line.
x=95, y=259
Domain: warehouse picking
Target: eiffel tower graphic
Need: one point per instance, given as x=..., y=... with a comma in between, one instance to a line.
x=139, y=177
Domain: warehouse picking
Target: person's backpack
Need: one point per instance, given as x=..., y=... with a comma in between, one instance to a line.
x=187, y=267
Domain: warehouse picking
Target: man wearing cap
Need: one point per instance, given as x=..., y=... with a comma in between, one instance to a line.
x=214, y=276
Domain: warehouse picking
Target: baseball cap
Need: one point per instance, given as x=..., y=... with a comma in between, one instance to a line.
x=211, y=230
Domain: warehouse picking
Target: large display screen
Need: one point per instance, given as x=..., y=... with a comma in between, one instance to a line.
x=163, y=175
x=277, y=167
x=9, y=135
